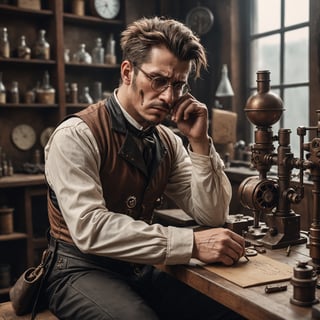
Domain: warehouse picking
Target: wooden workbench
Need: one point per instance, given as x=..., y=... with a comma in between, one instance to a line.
x=252, y=303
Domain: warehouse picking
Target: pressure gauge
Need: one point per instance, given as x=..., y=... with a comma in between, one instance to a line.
x=200, y=20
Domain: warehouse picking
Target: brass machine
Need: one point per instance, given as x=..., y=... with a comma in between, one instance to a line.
x=274, y=195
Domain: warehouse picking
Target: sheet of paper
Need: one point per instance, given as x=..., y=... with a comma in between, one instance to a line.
x=259, y=270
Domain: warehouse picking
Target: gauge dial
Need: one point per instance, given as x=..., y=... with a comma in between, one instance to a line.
x=23, y=137
x=106, y=9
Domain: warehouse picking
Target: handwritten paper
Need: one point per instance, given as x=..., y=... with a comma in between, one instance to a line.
x=259, y=270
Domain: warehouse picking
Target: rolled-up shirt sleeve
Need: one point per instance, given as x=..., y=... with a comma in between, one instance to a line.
x=208, y=198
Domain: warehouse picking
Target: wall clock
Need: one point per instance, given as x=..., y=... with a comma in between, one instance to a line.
x=200, y=20
x=45, y=135
x=106, y=9
x=23, y=137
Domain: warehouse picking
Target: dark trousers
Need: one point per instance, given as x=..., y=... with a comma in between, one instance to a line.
x=81, y=287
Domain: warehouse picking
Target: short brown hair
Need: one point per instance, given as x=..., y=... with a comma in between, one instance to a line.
x=145, y=33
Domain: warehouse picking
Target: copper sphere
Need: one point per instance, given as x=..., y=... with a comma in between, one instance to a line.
x=264, y=108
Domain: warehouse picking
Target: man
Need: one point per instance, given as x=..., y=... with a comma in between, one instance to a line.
x=103, y=189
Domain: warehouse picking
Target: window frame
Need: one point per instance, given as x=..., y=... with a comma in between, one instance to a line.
x=281, y=31
x=240, y=66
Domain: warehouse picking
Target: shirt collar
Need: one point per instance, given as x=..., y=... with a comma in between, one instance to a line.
x=128, y=117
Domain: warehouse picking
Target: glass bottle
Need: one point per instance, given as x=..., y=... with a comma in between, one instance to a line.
x=14, y=92
x=24, y=52
x=97, y=91
x=66, y=55
x=74, y=92
x=82, y=56
x=46, y=93
x=2, y=91
x=42, y=47
x=110, y=57
x=4, y=44
x=86, y=97
x=98, y=52
x=29, y=96
x=67, y=92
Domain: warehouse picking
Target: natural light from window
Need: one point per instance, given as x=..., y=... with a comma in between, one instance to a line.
x=280, y=43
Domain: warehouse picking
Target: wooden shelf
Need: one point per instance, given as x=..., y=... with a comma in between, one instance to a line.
x=14, y=61
x=28, y=105
x=91, y=20
x=26, y=193
x=22, y=180
x=13, y=236
x=12, y=9
x=92, y=65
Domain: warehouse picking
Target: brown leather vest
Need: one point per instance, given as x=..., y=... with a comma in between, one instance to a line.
x=127, y=188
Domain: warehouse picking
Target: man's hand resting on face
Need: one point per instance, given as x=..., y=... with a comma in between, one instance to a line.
x=218, y=245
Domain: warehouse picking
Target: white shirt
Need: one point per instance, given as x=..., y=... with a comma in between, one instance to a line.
x=197, y=184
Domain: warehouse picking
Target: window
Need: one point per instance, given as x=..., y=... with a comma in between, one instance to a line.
x=279, y=42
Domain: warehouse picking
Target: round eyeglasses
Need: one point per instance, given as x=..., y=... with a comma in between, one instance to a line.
x=161, y=84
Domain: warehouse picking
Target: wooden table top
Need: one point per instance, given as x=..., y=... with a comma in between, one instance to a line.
x=253, y=303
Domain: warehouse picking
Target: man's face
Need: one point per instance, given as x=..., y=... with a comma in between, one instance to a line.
x=150, y=102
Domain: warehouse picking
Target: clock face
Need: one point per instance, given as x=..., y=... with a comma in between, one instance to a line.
x=45, y=135
x=23, y=137
x=106, y=9
x=200, y=20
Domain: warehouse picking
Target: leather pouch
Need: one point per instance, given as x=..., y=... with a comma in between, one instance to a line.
x=25, y=292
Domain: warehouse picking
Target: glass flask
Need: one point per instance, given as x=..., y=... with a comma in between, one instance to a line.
x=46, y=93
x=98, y=52
x=42, y=47
x=14, y=92
x=4, y=44
x=110, y=57
x=86, y=97
x=2, y=90
x=82, y=56
x=24, y=52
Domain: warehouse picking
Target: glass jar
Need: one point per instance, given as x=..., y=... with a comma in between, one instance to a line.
x=98, y=52
x=82, y=56
x=67, y=92
x=86, y=97
x=97, y=91
x=66, y=55
x=46, y=93
x=110, y=57
x=14, y=95
x=42, y=47
x=29, y=96
x=3, y=96
x=4, y=44
x=74, y=92
x=24, y=52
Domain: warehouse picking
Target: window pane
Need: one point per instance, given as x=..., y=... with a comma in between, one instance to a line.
x=296, y=60
x=265, y=55
x=266, y=15
x=296, y=11
x=296, y=104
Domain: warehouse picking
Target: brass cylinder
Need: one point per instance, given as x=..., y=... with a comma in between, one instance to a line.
x=304, y=282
